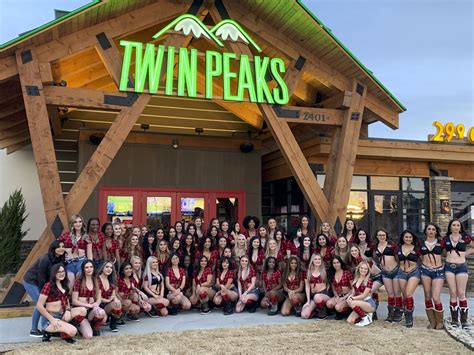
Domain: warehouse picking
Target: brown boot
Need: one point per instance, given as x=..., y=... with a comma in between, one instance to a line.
x=430, y=313
x=439, y=319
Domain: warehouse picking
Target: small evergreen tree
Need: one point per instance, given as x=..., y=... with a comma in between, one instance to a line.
x=12, y=216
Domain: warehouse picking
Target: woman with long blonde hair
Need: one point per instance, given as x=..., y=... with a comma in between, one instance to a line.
x=154, y=286
x=316, y=287
x=246, y=281
x=240, y=248
x=360, y=300
x=139, y=297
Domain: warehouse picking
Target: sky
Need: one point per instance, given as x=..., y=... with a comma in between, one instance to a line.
x=421, y=50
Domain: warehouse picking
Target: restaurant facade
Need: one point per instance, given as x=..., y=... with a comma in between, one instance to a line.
x=159, y=111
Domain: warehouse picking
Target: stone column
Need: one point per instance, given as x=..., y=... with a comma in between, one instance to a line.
x=440, y=191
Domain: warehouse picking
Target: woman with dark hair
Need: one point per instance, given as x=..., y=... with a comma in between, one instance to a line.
x=316, y=286
x=386, y=253
x=408, y=274
x=214, y=222
x=222, y=243
x=271, y=279
x=432, y=275
x=363, y=240
x=188, y=247
x=256, y=254
x=235, y=230
x=293, y=285
x=250, y=223
x=179, y=229
x=246, y=284
x=226, y=292
x=110, y=303
x=359, y=300
x=458, y=245
x=349, y=231
x=305, y=252
x=205, y=249
x=154, y=287
x=226, y=233
x=163, y=255
x=202, y=285
x=149, y=245
x=306, y=229
x=341, y=286
x=171, y=234
x=86, y=293
x=342, y=249
x=175, y=246
x=97, y=240
x=125, y=292
x=175, y=282
x=293, y=243
x=200, y=232
x=161, y=235
x=263, y=235
x=323, y=248
x=191, y=230
x=53, y=304
x=111, y=233
x=272, y=227
x=78, y=247
x=188, y=265
x=37, y=276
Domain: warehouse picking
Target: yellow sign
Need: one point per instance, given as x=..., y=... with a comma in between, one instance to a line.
x=448, y=131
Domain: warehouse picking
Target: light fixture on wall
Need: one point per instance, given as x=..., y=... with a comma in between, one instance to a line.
x=199, y=130
x=145, y=126
x=175, y=143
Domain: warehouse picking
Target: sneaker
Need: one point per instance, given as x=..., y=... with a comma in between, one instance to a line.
x=273, y=309
x=322, y=314
x=132, y=317
x=370, y=316
x=151, y=315
x=120, y=322
x=35, y=333
x=364, y=322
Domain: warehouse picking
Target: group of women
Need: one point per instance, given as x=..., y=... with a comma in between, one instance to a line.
x=96, y=274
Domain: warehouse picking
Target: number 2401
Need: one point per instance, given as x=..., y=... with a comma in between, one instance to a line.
x=445, y=133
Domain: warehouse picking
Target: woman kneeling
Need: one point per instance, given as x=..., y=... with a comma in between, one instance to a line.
x=360, y=300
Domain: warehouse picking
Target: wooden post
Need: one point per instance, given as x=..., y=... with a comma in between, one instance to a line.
x=341, y=160
x=46, y=165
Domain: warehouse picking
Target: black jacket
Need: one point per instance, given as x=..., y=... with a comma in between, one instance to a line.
x=38, y=274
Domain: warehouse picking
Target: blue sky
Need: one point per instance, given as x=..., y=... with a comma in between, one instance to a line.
x=422, y=50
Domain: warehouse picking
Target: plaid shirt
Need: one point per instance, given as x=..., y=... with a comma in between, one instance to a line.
x=314, y=280
x=136, y=281
x=81, y=244
x=259, y=261
x=246, y=283
x=229, y=275
x=99, y=243
x=103, y=292
x=212, y=259
x=294, y=250
x=162, y=262
x=55, y=295
x=123, y=289
x=111, y=246
x=293, y=284
x=345, y=281
x=203, y=279
x=360, y=290
x=176, y=281
x=271, y=282
x=84, y=291
x=329, y=253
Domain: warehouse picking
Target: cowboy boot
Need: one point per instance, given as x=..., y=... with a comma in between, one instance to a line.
x=439, y=320
x=391, y=311
x=409, y=318
x=464, y=314
x=430, y=313
x=454, y=316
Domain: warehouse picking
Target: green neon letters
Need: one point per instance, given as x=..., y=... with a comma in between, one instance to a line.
x=241, y=78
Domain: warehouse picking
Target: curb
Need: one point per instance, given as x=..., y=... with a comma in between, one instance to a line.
x=464, y=336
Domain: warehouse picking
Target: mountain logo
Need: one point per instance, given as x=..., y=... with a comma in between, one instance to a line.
x=225, y=30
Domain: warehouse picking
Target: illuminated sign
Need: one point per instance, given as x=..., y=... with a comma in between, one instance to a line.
x=250, y=76
x=446, y=132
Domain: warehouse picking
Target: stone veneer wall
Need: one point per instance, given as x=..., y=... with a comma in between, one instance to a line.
x=440, y=190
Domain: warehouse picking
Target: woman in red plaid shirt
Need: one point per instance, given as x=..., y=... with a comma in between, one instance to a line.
x=78, y=247
x=154, y=286
x=125, y=292
x=53, y=305
x=206, y=249
x=86, y=293
x=240, y=248
x=271, y=279
x=316, y=288
x=360, y=301
x=110, y=303
x=111, y=232
x=341, y=286
x=175, y=282
x=226, y=292
x=97, y=239
x=263, y=235
x=202, y=285
x=305, y=252
x=323, y=248
x=329, y=233
x=139, y=297
x=342, y=249
x=256, y=255
x=246, y=284
x=293, y=285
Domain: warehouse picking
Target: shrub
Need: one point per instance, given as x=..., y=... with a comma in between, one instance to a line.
x=12, y=216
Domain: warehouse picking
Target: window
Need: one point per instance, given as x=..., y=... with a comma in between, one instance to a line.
x=462, y=204
x=120, y=207
x=391, y=183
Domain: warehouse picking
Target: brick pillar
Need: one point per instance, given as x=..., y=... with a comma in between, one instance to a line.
x=440, y=190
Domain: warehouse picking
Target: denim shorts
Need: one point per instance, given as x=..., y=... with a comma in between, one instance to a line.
x=74, y=265
x=45, y=322
x=390, y=274
x=408, y=275
x=437, y=273
x=377, y=278
x=371, y=301
x=455, y=268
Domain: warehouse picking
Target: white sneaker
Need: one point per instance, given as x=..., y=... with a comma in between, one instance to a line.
x=370, y=316
x=363, y=322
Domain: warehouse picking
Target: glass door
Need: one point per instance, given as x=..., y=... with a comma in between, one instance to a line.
x=386, y=213
x=158, y=209
x=120, y=206
x=191, y=205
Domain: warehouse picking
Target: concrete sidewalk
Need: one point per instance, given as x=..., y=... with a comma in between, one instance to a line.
x=16, y=330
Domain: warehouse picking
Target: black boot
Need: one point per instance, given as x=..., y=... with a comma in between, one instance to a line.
x=113, y=324
x=172, y=310
x=252, y=307
x=409, y=318
x=397, y=315
x=205, y=308
x=228, y=308
x=454, y=316
x=464, y=313
x=391, y=311
x=46, y=336
x=322, y=313
x=374, y=316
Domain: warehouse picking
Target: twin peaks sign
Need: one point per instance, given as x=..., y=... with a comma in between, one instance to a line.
x=241, y=77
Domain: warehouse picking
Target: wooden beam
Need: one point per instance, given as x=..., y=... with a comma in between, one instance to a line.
x=297, y=162
x=379, y=109
x=20, y=137
x=55, y=120
x=310, y=115
x=341, y=163
x=11, y=109
x=16, y=147
x=46, y=73
x=293, y=73
x=117, y=27
x=13, y=131
x=13, y=120
x=341, y=100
